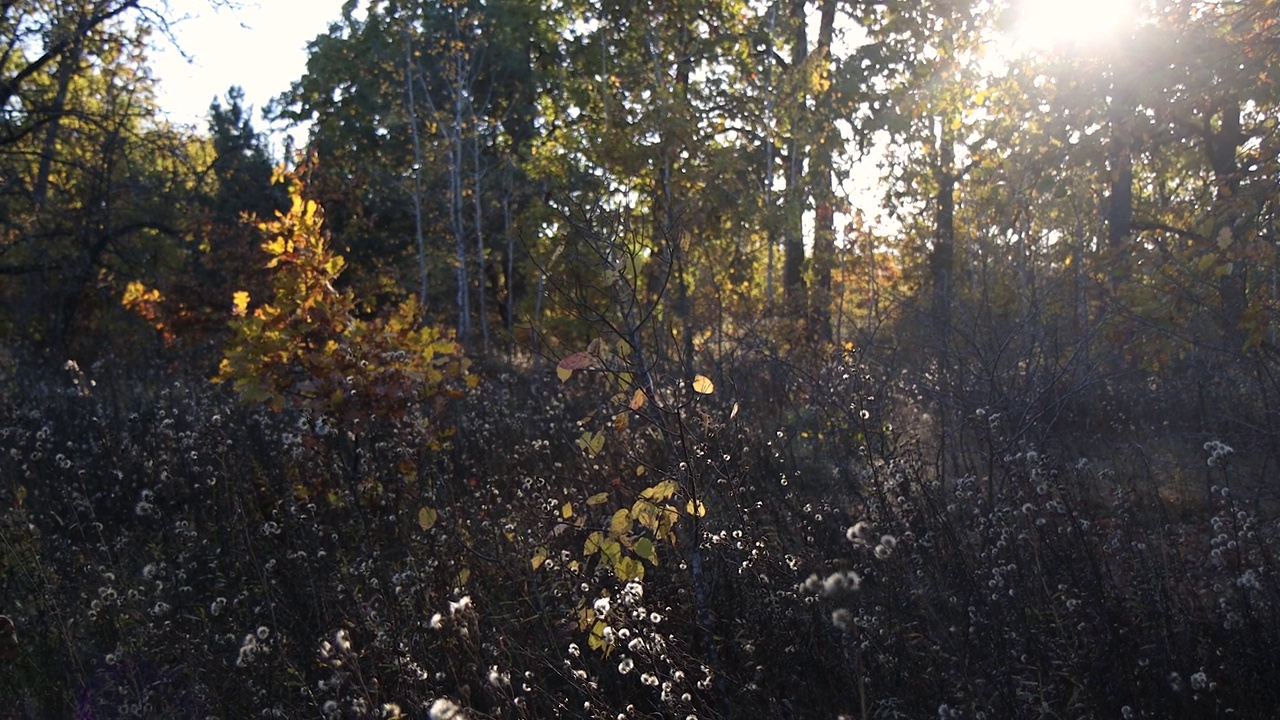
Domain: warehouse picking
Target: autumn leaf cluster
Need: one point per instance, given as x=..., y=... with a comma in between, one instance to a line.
x=306, y=346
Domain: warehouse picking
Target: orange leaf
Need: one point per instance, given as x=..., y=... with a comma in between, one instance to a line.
x=577, y=361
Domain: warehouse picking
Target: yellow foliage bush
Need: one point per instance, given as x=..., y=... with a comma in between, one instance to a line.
x=307, y=348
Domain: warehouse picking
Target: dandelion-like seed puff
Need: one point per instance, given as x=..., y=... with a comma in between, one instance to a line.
x=1218, y=453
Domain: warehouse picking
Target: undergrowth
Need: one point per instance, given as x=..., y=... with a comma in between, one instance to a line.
x=175, y=554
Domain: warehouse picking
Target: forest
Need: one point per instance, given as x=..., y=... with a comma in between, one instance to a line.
x=597, y=359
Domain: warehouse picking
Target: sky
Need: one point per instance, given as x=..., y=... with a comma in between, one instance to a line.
x=260, y=46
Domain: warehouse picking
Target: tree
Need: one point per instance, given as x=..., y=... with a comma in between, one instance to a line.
x=233, y=189
x=306, y=347
x=242, y=165
x=417, y=101
x=93, y=186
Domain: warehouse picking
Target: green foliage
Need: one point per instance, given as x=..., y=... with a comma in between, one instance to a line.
x=246, y=183
x=430, y=106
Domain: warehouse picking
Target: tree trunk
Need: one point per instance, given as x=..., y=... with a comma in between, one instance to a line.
x=459, y=230
x=793, y=234
x=478, y=229
x=509, y=316
x=824, y=196
x=1222, y=147
x=771, y=235
x=1120, y=208
x=417, y=177
x=68, y=66
x=942, y=254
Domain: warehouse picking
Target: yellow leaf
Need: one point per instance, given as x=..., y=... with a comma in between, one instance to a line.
x=539, y=557
x=620, y=523
x=696, y=508
x=563, y=373
x=661, y=491
x=611, y=552
x=646, y=513
x=703, y=385
x=427, y=517
x=463, y=577
x=629, y=569
x=239, y=303
x=598, y=499
x=591, y=443
x=592, y=545
x=637, y=400
x=596, y=640
x=665, y=523
x=621, y=422
x=136, y=293
x=566, y=512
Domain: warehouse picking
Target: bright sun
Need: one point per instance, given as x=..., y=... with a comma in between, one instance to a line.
x=1048, y=24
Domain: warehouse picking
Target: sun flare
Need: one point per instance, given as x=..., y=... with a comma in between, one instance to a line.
x=1049, y=24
